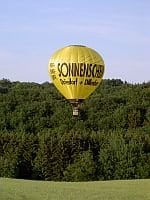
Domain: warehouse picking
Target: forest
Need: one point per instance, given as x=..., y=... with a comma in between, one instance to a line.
x=41, y=140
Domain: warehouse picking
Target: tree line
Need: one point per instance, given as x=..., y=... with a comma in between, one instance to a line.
x=39, y=138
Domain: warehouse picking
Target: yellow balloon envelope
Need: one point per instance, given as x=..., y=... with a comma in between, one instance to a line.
x=76, y=71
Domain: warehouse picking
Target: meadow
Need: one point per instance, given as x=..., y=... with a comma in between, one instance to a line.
x=17, y=189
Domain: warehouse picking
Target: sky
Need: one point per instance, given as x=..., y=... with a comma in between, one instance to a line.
x=32, y=30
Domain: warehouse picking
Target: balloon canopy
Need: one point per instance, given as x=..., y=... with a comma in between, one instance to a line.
x=76, y=71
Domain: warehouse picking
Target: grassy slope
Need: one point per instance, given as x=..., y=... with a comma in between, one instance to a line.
x=12, y=189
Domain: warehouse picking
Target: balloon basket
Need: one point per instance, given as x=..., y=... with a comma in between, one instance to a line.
x=75, y=106
x=75, y=111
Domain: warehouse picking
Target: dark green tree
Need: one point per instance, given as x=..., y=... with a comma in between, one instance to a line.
x=82, y=169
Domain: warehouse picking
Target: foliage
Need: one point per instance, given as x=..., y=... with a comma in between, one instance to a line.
x=39, y=138
x=83, y=168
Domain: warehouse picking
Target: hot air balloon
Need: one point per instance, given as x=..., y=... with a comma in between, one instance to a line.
x=76, y=71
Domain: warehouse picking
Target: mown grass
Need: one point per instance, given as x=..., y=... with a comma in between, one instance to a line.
x=12, y=189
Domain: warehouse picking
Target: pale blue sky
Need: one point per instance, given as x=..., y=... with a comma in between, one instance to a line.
x=32, y=30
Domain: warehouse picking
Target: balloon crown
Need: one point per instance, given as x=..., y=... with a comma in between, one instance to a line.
x=78, y=45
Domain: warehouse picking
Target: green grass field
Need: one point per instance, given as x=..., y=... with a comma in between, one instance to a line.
x=12, y=189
